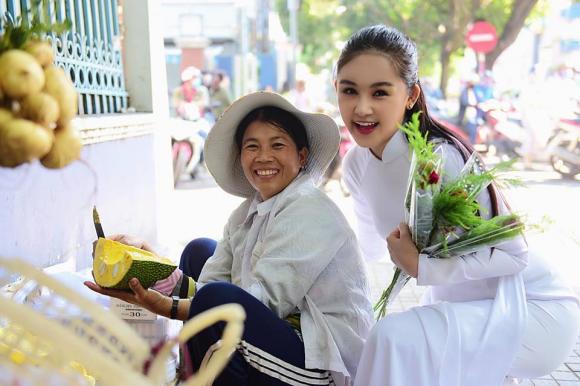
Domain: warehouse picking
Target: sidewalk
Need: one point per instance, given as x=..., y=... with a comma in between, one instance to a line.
x=201, y=199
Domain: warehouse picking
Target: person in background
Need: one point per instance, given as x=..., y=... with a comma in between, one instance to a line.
x=219, y=96
x=484, y=89
x=191, y=98
x=497, y=312
x=468, y=109
x=299, y=96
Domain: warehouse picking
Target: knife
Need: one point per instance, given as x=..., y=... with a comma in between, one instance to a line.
x=97, y=222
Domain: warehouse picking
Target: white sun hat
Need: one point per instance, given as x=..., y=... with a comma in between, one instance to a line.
x=222, y=155
x=189, y=73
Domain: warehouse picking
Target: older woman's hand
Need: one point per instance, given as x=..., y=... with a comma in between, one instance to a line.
x=403, y=251
x=146, y=298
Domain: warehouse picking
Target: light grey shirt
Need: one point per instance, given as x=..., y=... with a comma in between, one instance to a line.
x=296, y=252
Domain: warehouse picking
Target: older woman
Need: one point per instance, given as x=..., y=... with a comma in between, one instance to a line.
x=288, y=255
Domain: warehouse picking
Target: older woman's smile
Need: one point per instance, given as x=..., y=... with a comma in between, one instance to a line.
x=267, y=172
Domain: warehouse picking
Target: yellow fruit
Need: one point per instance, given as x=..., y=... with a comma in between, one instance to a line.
x=22, y=141
x=65, y=149
x=5, y=115
x=40, y=108
x=59, y=86
x=115, y=264
x=20, y=74
x=42, y=52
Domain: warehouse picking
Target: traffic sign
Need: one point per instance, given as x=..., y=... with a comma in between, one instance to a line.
x=481, y=37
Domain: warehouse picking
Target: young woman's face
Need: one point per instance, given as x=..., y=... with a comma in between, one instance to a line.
x=372, y=99
x=269, y=158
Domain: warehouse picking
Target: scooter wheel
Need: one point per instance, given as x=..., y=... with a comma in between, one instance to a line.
x=564, y=168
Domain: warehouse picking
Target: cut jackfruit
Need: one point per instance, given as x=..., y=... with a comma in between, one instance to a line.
x=115, y=264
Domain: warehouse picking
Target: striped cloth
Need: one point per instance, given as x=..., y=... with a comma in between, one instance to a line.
x=277, y=368
x=166, y=286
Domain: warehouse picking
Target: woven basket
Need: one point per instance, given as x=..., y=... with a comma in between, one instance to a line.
x=48, y=327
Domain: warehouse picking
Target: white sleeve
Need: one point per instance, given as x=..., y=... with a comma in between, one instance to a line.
x=505, y=258
x=219, y=266
x=372, y=245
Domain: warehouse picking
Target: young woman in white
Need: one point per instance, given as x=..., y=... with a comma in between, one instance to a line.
x=494, y=313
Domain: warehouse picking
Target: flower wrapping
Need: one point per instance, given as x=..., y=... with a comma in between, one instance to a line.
x=443, y=215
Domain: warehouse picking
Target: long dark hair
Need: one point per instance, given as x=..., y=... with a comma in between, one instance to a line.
x=402, y=53
x=277, y=117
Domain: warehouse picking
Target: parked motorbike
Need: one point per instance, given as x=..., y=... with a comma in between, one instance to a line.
x=187, y=140
x=439, y=112
x=563, y=148
x=334, y=170
x=500, y=132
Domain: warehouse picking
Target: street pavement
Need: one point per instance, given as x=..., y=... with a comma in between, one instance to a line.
x=200, y=209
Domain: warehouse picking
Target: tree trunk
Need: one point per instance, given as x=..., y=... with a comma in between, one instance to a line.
x=459, y=14
x=445, y=59
x=520, y=11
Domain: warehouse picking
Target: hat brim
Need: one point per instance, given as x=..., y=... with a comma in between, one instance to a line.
x=221, y=152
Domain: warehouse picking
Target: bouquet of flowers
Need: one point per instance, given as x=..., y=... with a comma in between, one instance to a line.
x=445, y=219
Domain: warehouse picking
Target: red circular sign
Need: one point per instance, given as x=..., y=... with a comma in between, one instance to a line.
x=481, y=37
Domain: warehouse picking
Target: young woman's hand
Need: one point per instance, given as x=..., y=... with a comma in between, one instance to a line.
x=403, y=251
x=132, y=241
x=128, y=240
x=146, y=298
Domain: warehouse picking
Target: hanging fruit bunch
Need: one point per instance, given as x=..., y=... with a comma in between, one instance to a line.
x=37, y=98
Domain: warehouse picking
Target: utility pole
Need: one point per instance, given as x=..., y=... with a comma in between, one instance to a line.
x=293, y=9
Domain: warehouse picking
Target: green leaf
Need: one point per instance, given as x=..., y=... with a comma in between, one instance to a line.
x=18, y=33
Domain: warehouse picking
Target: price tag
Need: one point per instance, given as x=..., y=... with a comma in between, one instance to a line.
x=128, y=311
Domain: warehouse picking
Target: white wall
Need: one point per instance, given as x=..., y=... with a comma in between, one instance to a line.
x=213, y=19
x=45, y=215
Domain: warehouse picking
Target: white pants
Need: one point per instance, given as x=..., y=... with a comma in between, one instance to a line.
x=397, y=352
x=550, y=335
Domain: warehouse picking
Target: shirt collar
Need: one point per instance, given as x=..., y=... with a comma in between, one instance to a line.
x=395, y=148
x=263, y=207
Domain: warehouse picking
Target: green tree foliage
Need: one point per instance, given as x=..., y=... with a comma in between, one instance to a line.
x=437, y=26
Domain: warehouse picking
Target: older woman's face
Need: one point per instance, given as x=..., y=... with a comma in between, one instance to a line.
x=269, y=158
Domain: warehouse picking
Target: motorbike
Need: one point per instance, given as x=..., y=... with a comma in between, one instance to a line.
x=439, y=112
x=187, y=140
x=563, y=148
x=500, y=131
x=334, y=170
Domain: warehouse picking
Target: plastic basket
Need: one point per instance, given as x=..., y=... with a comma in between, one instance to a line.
x=47, y=326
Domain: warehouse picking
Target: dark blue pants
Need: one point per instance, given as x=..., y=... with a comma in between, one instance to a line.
x=271, y=351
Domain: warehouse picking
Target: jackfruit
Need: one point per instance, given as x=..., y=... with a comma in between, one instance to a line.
x=115, y=264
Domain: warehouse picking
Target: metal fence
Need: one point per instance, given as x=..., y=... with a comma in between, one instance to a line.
x=90, y=52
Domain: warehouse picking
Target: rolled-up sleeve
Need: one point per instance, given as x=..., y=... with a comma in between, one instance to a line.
x=506, y=258
x=219, y=266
